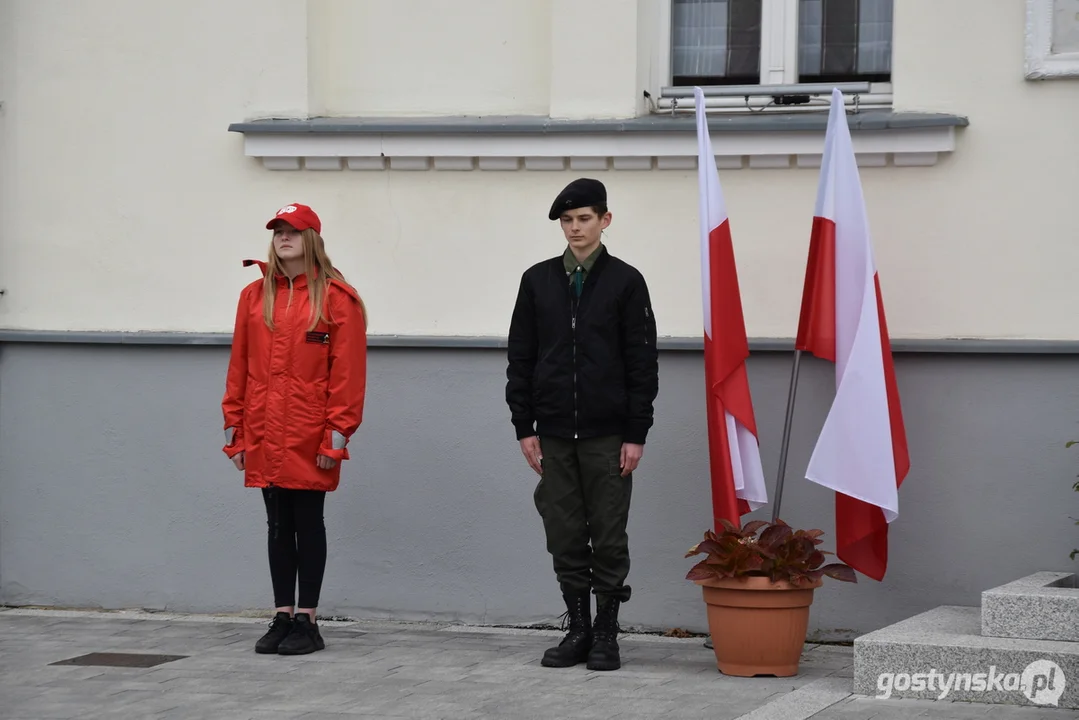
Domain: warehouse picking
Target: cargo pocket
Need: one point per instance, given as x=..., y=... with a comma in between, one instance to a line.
x=618, y=490
x=539, y=499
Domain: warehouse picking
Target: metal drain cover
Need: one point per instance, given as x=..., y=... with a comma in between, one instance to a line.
x=129, y=660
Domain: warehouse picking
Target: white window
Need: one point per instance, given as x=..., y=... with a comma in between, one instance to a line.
x=1052, y=47
x=776, y=51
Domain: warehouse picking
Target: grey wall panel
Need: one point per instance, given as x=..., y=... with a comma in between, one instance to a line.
x=114, y=492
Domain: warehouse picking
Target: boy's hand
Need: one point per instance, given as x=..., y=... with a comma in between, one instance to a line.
x=631, y=457
x=530, y=448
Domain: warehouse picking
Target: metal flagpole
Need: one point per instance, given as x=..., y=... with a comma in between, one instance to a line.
x=786, y=434
x=786, y=442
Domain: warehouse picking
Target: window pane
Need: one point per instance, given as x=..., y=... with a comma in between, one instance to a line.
x=1065, y=26
x=840, y=37
x=875, y=37
x=715, y=42
x=844, y=40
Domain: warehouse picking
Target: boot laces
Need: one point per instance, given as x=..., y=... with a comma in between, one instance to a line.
x=574, y=620
x=606, y=629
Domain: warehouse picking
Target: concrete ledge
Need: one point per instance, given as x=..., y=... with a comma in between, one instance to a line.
x=1042, y=606
x=940, y=655
x=660, y=142
x=536, y=124
x=945, y=346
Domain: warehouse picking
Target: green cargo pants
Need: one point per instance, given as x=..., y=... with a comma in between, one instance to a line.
x=584, y=502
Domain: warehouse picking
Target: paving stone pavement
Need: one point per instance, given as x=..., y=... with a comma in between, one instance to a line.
x=401, y=670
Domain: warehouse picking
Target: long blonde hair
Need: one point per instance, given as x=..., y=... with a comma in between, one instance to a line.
x=319, y=271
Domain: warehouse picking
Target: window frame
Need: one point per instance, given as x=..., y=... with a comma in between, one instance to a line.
x=778, y=67
x=1041, y=62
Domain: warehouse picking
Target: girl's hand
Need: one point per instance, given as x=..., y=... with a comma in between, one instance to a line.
x=238, y=460
x=325, y=463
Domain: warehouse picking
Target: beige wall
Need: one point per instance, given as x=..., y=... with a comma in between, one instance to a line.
x=984, y=244
x=8, y=168
x=430, y=57
x=130, y=200
x=400, y=58
x=127, y=205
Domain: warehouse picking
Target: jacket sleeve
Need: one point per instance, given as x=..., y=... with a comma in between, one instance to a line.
x=641, y=357
x=522, y=348
x=347, y=387
x=232, y=405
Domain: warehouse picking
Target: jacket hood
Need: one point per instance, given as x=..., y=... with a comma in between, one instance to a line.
x=349, y=290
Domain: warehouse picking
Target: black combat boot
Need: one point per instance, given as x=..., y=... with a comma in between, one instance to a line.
x=604, y=654
x=574, y=647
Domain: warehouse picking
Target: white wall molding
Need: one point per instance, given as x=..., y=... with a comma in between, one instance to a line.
x=1043, y=61
x=543, y=145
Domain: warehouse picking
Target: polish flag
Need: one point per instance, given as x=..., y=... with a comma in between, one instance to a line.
x=861, y=453
x=734, y=455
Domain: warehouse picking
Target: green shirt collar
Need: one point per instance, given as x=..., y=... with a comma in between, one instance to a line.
x=570, y=262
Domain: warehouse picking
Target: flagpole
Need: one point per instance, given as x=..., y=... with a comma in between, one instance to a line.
x=786, y=434
x=783, y=450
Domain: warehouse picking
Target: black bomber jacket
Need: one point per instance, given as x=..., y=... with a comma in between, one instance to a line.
x=587, y=367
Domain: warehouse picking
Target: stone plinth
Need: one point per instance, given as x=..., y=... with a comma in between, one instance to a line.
x=1042, y=606
x=941, y=654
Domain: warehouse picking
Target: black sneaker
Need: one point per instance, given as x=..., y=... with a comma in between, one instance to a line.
x=280, y=627
x=304, y=638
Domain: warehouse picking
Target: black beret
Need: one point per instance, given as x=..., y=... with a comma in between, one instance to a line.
x=584, y=192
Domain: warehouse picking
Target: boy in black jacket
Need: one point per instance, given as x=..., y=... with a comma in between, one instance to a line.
x=583, y=374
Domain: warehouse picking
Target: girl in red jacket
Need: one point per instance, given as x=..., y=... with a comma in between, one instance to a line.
x=294, y=396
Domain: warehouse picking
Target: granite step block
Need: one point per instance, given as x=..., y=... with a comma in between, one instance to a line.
x=941, y=654
x=1042, y=606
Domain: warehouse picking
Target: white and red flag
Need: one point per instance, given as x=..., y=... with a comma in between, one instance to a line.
x=733, y=452
x=861, y=453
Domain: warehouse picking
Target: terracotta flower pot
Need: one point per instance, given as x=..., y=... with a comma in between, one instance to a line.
x=758, y=627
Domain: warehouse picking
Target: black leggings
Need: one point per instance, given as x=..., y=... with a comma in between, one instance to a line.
x=297, y=544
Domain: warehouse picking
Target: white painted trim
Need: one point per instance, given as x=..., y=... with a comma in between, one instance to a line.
x=538, y=151
x=363, y=163
x=409, y=162
x=779, y=42
x=449, y=162
x=322, y=163
x=1041, y=62
x=588, y=163
x=499, y=163
x=281, y=162
x=656, y=16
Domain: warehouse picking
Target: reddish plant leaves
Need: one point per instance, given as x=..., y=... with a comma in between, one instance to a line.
x=778, y=552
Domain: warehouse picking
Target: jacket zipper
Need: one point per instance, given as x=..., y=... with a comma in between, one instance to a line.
x=574, y=307
x=288, y=312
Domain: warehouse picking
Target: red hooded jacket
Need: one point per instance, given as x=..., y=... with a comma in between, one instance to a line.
x=292, y=394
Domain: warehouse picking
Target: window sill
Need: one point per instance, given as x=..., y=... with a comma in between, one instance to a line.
x=662, y=141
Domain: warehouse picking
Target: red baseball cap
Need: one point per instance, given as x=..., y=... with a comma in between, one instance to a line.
x=298, y=216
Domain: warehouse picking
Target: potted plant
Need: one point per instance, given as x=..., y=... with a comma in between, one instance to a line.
x=758, y=589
